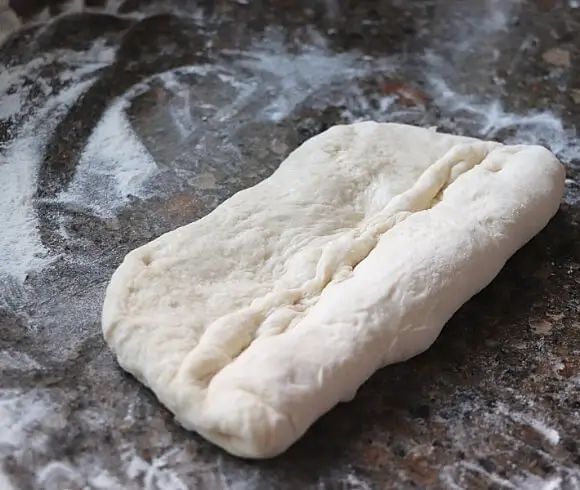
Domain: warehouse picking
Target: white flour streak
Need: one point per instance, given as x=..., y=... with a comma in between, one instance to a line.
x=15, y=87
x=21, y=249
x=24, y=418
x=492, y=118
x=20, y=246
x=291, y=78
x=551, y=435
x=161, y=473
x=81, y=64
x=454, y=476
x=480, y=31
x=114, y=166
x=533, y=482
x=457, y=475
x=503, y=423
x=17, y=360
x=180, y=110
x=56, y=475
x=245, y=91
x=9, y=23
x=11, y=103
x=157, y=474
x=5, y=482
x=104, y=481
x=355, y=482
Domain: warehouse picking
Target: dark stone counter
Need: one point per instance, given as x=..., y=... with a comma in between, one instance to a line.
x=123, y=121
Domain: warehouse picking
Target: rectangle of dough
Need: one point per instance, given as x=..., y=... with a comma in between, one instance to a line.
x=252, y=322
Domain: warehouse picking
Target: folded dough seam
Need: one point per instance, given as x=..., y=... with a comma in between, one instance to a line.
x=281, y=309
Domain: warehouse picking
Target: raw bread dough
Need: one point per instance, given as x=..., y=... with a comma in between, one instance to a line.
x=255, y=320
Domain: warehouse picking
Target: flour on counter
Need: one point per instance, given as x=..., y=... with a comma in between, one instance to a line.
x=289, y=79
x=9, y=22
x=35, y=109
x=273, y=83
x=551, y=435
x=21, y=248
x=20, y=244
x=21, y=98
x=533, y=482
x=354, y=482
x=80, y=64
x=56, y=475
x=157, y=474
x=491, y=118
x=464, y=474
x=500, y=423
x=114, y=166
x=24, y=419
x=5, y=482
x=16, y=360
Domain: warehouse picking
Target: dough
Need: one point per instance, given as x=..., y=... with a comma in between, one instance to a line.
x=255, y=320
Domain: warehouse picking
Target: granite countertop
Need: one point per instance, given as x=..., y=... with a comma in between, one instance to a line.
x=119, y=122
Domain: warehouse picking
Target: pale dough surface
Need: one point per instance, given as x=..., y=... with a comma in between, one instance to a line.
x=252, y=322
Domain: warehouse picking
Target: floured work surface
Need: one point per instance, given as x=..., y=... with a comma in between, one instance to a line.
x=127, y=133
x=252, y=322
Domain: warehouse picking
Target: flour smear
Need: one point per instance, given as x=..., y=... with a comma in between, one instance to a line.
x=25, y=417
x=33, y=111
x=114, y=166
x=290, y=78
x=21, y=248
x=501, y=423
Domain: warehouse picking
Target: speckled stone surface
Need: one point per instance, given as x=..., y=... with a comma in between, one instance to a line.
x=218, y=93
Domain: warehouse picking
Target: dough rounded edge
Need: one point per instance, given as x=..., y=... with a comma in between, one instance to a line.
x=240, y=422
x=114, y=312
x=128, y=336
